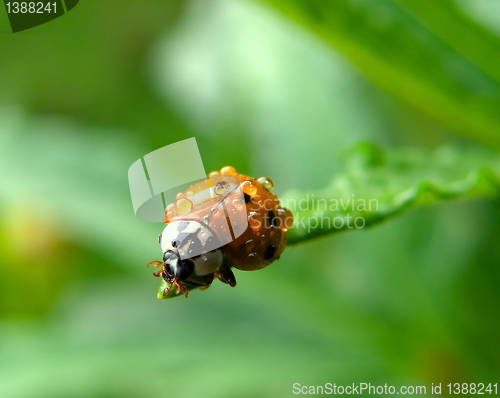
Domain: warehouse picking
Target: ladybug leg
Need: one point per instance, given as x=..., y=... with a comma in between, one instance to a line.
x=168, y=280
x=156, y=263
x=204, y=283
x=226, y=275
x=220, y=277
x=168, y=290
x=208, y=279
x=181, y=288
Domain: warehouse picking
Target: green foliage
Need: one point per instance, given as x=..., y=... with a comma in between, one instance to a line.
x=173, y=292
x=414, y=300
x=377, y=184
x=427, y=53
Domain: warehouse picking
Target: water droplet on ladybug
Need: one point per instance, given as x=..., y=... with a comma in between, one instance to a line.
x=214, y=173
x=189, y=193
x=220, y=188
x=252, y=261
x=266, y=182
x=170, y=207
x=183, y=206
x=253, y=219
x=249, y=188
x=228, y=170
x=179, y=195
x=216, y=212
x=238, y=204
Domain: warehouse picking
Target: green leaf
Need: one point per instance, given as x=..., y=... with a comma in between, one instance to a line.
x=426, y=53
x=173, y=292
x=375, y=185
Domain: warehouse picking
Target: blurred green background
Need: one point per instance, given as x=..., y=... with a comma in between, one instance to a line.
x=278, y=88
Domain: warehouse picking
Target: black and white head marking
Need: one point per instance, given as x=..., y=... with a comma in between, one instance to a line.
x=190, y=245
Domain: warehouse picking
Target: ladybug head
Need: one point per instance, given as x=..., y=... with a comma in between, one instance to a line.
x=175, y=268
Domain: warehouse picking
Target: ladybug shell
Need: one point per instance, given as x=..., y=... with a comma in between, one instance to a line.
x=257, y=220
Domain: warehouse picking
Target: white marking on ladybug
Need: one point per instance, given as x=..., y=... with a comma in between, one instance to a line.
x=189, y=239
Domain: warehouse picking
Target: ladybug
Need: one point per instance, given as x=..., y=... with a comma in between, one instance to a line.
x=228, y=220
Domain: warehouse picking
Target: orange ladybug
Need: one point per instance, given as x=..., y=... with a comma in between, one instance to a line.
x=228, y=220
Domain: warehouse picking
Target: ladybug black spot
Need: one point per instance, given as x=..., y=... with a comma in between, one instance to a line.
x=248, y=198
x=269, y=253
x=181, y=239
x=195, y=247
x=272, y=218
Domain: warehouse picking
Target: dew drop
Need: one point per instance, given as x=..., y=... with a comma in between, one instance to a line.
x=221, y=188
x=249, y=188
x=183, y=206
x=253, y=219
x=238, y=204
x=252, y=261
x=228, y=170
x=266, y=182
